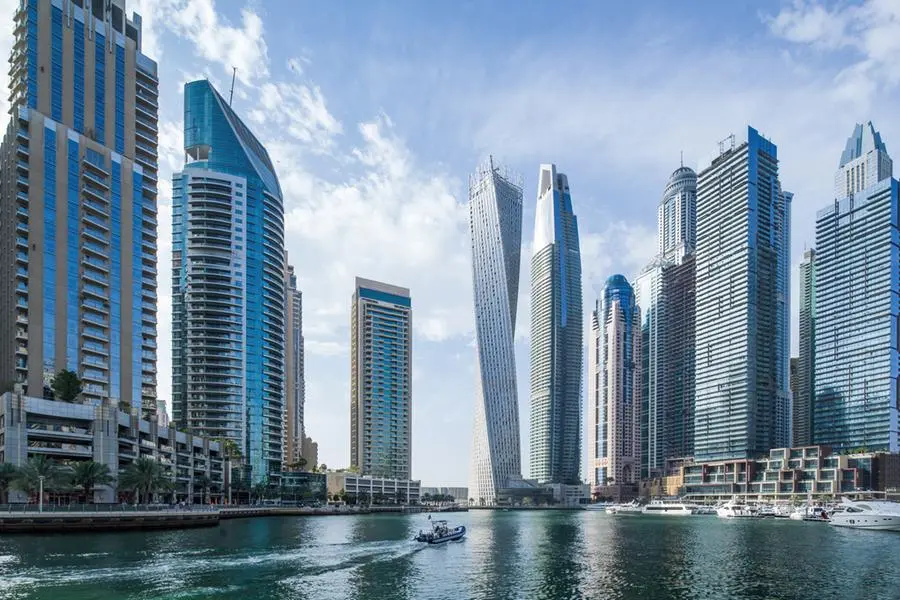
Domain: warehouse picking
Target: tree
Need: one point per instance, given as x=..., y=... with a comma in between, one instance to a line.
x=426, y=497
x=30, y=474
x=88, y=474
x=144, y=477
x=203, y=483
x=259, y=491
x=230, y=449
x=8, y=474
x=66, y=386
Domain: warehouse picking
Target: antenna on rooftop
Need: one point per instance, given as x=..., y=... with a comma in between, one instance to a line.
x=231, y=95
x=682, y=158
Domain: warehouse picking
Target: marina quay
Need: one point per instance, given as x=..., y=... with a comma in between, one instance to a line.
x=70, y=432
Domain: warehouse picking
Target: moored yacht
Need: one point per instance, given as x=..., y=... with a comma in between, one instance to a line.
x=868, y=514
x=670, y=509
x=632, y=508
x=734, y=509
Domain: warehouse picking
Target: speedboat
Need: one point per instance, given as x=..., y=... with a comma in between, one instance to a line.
x=440, y=533
x=671, y=509
x=868, y=514
x=734, y=509
x=705, y=509
x=632, y=508
x=810, y=513
x=598, y=506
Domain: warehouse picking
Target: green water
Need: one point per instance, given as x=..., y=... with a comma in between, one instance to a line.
x=506, y=555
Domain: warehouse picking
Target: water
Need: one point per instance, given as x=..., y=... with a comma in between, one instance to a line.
x=506, y=555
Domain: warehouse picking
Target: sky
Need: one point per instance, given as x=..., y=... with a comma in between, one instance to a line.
x=375, y=113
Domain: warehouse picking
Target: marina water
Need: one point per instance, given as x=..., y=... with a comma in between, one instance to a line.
x=506, y=554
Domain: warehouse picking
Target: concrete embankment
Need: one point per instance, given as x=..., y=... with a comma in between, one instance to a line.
x=64, y=522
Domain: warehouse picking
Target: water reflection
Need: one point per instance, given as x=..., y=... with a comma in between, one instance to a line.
x=557, y=561
x=497, y=554
x=388, y=573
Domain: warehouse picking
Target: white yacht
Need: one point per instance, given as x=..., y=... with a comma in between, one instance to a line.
x=632, y=508
x=868, y=514
x=597, y=506
x=670, y=509
x=734, y=509
x=809, y=512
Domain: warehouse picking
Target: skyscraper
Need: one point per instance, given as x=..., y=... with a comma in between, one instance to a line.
x=741, y=358
x=295, y=383
x=857, y=282
x=495, y=226
x=665, y=293
x=381, y=379
x=614, y=387
x=228, y=292
x=78, y=208
x=556, y=334
x=805, y=385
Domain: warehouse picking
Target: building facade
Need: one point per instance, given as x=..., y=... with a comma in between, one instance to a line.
x=806, y=361
x=78, y=214
x=381, y=380
x=675, y=417
x=677, y=216
x=742, y=324
x=495, y=227
x=556, y=335
x=70, y=433
x=857, y=282
x=366, y=489
x=228, y=291
x=615, y=407
x=310, y=452
x=295, y=383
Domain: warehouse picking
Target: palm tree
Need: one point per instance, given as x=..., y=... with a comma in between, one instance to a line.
x=88, y=474
x=40, y=468
x=8, y=474
x=258, y=491
x=144, y=477
x=203, y=483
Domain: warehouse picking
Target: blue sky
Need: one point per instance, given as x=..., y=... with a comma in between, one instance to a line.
x=375, y=113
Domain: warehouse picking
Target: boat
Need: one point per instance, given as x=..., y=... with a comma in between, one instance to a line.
x=440, y=533
x=868, y=514
x=597, y=506
x=808, y=512
x=734, y=509
x=632, y=508
x=670, y=509
x=705, y=509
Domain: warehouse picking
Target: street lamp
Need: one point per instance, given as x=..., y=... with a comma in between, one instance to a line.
x=41, y=497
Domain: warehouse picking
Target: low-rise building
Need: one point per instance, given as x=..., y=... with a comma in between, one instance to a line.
x=460, y=495
x=70, y=433
x=366, y=488
x=303, y=487
x=786, y=474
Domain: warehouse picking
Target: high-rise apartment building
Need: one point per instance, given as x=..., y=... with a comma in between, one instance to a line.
x=741, y=358
x=805, y=362
x=614, y=388
x=857, y=316
x=381, y=380
x=495, y=227
x=78, y=229
x=665, y=293
x=295, y=383
x=556, y=334
x=228, y=289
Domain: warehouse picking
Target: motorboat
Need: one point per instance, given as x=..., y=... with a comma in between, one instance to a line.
x=598, y=506
x=632, y=508
x=669, y=509
x=705, y=509
x=809, y=512
x=440, y=533
x=868, y=514
x=735, y=509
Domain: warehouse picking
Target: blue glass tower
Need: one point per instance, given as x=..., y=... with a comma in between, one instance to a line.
x=78, y=204
x=381, y=380
x=556, y=335
x=742, y=356
x=857, y=314
x=228, y=291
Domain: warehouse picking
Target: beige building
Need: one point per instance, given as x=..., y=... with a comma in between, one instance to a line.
x=295, y=385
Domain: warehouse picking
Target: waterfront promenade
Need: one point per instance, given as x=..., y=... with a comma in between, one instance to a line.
x=87, y=517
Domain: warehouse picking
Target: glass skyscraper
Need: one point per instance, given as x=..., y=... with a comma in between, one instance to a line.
x=665, y=293
x=495, y=226
x=228, y=288
x=556, y=334
x=857, y=314
x=295, y=382
x=805, y=363
x=614, y=388
x=742, y=324
x=381, y=380
x=78, y=210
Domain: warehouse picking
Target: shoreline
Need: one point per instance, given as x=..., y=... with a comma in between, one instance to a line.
x=78, y=522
